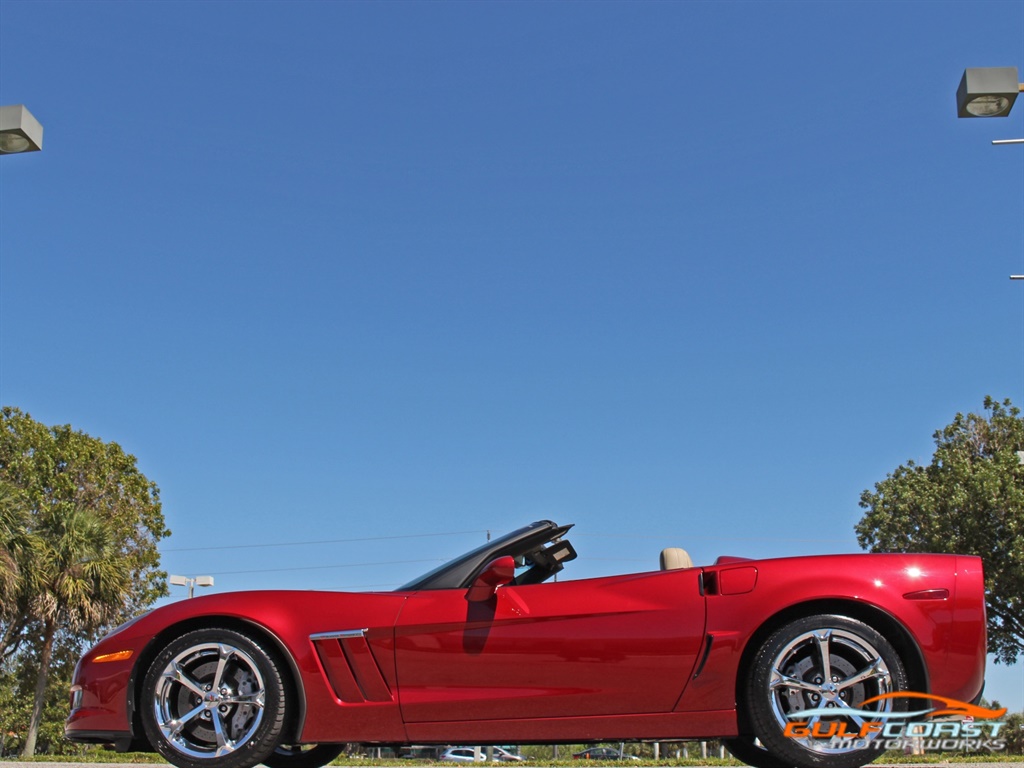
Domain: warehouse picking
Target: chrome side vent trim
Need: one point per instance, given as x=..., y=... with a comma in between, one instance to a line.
x=349, y=666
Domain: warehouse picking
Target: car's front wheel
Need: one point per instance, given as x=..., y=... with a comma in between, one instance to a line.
x=214, y=698
x=819, y=691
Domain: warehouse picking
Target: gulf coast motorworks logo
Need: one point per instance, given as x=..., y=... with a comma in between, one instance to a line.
x=954, y=726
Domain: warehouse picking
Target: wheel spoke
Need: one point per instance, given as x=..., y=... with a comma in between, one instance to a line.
x=173, y=727
x=821, y=639
x=809, y=740
x=224, y=744
x=856, y=718
x=223, y=654
x=780, y=680
x=177, y=674
x=876, y=668
x=246, y=699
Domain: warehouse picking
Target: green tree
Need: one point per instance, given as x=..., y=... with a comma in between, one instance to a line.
x=968, y=500
x=17, y=686
x=86, y=557
x=1013, y=733
x=82, y=585
x=15, y=540
x=58, y=468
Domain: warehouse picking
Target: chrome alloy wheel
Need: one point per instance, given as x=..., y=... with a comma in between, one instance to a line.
x=209, y=700
x=828, y=668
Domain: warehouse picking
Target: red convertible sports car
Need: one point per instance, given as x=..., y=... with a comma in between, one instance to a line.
x=487, y=649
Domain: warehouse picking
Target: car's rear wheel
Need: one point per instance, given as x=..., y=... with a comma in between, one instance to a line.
x=214, y=698
x=815, y=674
x=303, y=755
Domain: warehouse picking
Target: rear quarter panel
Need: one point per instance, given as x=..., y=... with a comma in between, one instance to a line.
x=948, y=630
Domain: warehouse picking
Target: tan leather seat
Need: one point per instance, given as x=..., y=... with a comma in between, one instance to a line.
x=674, y=557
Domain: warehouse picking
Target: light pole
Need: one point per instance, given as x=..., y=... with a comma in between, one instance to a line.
x=989, y=92
x=191, y=583
x=20, y=132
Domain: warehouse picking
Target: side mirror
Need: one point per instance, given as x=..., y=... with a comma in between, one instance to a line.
x=499, y=571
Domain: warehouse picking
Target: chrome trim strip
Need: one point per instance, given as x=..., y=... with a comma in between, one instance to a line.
x=342, y=634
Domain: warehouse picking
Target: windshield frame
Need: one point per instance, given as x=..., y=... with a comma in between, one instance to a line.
x=460, y=572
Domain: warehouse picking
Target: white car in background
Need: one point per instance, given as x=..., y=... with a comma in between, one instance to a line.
x=471, y=755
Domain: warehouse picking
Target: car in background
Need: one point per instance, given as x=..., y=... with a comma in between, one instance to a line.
x=491, y=648
x=472, y=755
x=603, y=753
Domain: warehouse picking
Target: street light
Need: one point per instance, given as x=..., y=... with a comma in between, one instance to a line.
x=987, y=92
x=19, y=131
x=185, y=581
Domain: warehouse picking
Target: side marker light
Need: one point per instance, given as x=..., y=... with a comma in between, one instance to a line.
x=117, y=656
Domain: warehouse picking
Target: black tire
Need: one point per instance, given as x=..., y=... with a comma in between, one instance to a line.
x=214, y=698
x=823, y=661
x=744, y=749
x=303, y=755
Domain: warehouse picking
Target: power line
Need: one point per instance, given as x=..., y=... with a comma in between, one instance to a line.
x=576, y=534
x=644, y=537
x=318, y=541
x=688, y=537
x=400, y=562
x=324, y=567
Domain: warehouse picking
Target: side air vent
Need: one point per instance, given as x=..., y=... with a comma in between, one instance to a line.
x=349, y=666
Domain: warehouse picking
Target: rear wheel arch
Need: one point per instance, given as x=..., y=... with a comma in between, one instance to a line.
x=881, y=621
x=824, y=669
x=292, y=678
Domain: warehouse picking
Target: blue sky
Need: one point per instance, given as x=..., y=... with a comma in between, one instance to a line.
x=690, y=274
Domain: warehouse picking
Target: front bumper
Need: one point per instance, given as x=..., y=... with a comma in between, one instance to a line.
x=121, y=741
x=101, y=695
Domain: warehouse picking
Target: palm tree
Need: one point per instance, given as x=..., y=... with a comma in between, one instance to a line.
x=82, y=584
x=16, y=544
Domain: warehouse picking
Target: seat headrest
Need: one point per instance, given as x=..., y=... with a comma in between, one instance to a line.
x=674, y=557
